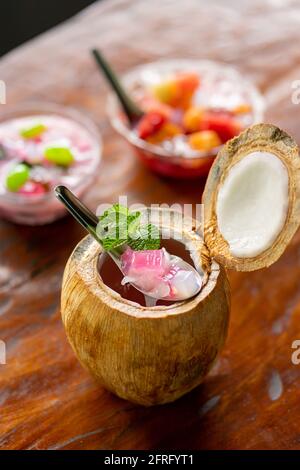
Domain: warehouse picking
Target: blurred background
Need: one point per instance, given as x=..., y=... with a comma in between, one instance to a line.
x=22, y=20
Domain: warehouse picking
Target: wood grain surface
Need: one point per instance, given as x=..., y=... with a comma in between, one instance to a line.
x=251, y=399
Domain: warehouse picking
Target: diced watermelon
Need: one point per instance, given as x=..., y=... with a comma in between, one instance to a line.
x=222, y=123
x=150, y=123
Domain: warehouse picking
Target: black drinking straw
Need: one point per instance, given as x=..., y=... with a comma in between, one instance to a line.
x=131, y=109
x=79, y=211
x=84, y=216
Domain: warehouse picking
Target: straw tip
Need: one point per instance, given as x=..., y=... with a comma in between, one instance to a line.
x=59, y=190
x=95, y=52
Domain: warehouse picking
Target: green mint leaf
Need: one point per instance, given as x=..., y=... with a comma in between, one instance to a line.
x=118, y=226
x=114, y=222
x=115, y=209
x=110, y=243
x=113, y=227
x=133, y=221
x=146, y=237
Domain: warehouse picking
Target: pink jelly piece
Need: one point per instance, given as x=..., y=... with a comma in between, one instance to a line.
x=159, y=274
x=146, y=270
x=32, y=188
x=145, y=260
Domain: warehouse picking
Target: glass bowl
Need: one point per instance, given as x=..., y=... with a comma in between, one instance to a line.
x=39, y=209
x=219, y=84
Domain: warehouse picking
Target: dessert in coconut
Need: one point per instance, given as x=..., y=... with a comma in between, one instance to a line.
x=154, y=355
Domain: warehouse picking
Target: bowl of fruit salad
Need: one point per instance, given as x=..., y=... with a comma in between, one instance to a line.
x=41, y=146
x=191, y=108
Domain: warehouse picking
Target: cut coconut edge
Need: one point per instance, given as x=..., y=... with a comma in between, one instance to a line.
x=252, y=199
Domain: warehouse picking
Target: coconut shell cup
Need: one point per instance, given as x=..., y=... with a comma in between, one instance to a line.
x=155, y=355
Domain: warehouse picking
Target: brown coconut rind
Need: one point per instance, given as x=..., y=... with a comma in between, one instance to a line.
x=260, y=137
x=146, y=355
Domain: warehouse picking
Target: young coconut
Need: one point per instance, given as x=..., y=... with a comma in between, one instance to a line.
x=145, y=355
x=155, y=355
x=252, y=199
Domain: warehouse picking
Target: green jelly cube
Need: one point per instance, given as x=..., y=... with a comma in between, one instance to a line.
x=17, y=177
x=61, y=156
x=32, y=132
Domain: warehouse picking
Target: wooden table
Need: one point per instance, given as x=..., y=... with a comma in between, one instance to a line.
x=251, y=399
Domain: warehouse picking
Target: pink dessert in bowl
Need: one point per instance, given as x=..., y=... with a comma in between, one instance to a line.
x=191, y=108
x=42, y=146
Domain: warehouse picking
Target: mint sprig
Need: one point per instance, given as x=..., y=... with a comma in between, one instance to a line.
x=117, y=226
x=145, y=237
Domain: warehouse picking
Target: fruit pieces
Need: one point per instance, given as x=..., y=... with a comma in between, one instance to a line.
x=192, y=119
x=177, y=91
x=154, y=127
x=169, y=113
x=215, y=128
x=204, y=140
x=17, y=177
x=166, y=92
x=167, y=131
x=188, y=81
x=150, y=123
x=243, y=108
x=151, y=104
x=61, y=156
x=222, y=123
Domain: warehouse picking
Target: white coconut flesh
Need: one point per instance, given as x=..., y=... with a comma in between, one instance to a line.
x=252, y=203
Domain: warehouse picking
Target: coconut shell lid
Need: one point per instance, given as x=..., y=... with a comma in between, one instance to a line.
x=258, y=138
